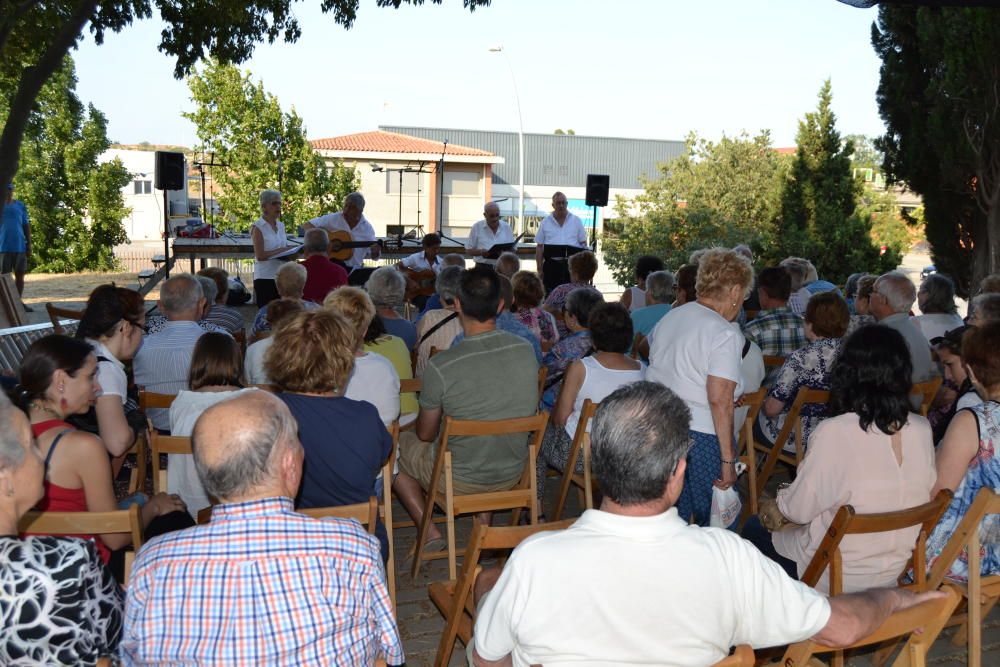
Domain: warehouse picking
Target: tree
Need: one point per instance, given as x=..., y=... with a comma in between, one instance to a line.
x=36, y=37
x=75, y=204
x=939, y=95
x=866, y=153
x=262, y=147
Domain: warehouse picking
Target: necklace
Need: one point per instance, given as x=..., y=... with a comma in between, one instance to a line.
x=46, y=409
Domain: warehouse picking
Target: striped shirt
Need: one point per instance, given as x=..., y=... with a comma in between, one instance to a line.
x=163, y=362
x=226, y=317
x=260, y=585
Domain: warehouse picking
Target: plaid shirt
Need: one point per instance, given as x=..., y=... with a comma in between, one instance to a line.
x=778, y=332
x=260, y=585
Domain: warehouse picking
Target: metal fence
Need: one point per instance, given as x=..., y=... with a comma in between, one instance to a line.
x=133, y=261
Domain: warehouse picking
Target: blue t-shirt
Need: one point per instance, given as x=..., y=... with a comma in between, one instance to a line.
x=15, y=219
x=345, y=446
x=644, y=319
x=433, y=303
x=402, y=329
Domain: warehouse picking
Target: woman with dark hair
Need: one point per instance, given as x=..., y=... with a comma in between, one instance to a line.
x=59, y=379
x=936, y=298
x=871, y=452
x=582, y=267
x=634, y=298
x=528, y=293
x=575, y=345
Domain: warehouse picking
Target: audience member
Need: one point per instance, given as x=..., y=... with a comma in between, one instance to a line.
x=393, y=348
x=291, y=280
x=802, y=273
x=322, y=275
x=195, y=596
x=576, y=344
x=353, y=221
x=685, y=281
x=527, y=307
x=776, y=329
x=508, y=264
x=277, y=312
x=851, y=289
x=985, y=308
x=632, y=582
x=862, y=304
x=634, y=297
x=434, y=302
x=936, y=300
x=582, y=267
x=890, y=302
x=659, y=296
x=156, y=323
x=990, y=284
x=697, y=352
x=269, y=241
x=507, y=322
x=219, y=313
x=948, y=349
x=438, y=328
x=751, y=303
x=60, y=605
x=871, y=452
x=387, y=289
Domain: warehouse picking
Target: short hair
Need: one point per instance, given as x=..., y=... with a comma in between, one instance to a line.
x=447, y=282
x=102, y=314
x=180, y=294
x=528, y=289
x=581, y=301
x=744, y=250
x=719, y=269
x=583, y=265
x=979, y=353
x=828, y=314
x=940, y=292
x=44, y=357
x=431, y=240
x=355, y=199
x=872, y=377
x=216, y=360
x=990, y=284
x=268, y=196
x=696, y=256
x=279, y=309
x=610, y=327
x=660, y=286
x=479, y=293
x=557, y=193
x=898, y=291
x=491, y=204
x=208, y=288
x=647, y=264
x=866, y=285
x=638, y=436
x=986, y=306
x=453, y=259
x=316, y=241
x=249, y=449
x=312, y=353
x=387, y=287
x=508, y=264
x=686, y=279
x=221, y=278
x=851, y=286
x=11, y=446
x=798, y=269
x=354, y=304
x=291, y=279
x=776, y=282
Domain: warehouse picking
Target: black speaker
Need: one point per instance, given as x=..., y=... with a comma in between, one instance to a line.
x=597, y=189
x=169, y=171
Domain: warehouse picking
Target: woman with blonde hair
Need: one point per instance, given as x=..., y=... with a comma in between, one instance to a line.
x=290, y=282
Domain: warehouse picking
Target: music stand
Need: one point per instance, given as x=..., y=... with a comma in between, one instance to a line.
x=555, y=267
x=497, y=249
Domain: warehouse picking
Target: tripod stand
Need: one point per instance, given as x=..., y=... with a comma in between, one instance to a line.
x=418, y=230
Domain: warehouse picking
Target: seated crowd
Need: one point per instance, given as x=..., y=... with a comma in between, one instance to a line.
x=310, y=412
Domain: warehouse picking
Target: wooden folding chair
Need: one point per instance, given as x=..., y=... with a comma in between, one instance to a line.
x=88, y=523
x=409, y=386
x=522, y=496
x=927, y=390
x=150, y=399
x=742, y=657
x=580, y=446
x=56, y=315
x=921, y=624
x=776, y=452
x=165, y=444
x=366, y=513
x=772, y=361
x=137, y=478
x=745, y=449
x=454, y=598
x=543, y=372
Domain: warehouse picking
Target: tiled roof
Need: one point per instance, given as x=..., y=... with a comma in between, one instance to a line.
x=786, y=150
x=390, y=142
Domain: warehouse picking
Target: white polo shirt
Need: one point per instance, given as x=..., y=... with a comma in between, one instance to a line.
x=363, y=232
x=614, y=590
x=570, y=232
x=111, y=373
x=418, y=262
x=482, y=237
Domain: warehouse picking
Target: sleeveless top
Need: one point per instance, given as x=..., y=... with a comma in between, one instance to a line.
x=268, y=268
x=59, y=498
x=598, y=382
x=638, y=299
x=984, y=471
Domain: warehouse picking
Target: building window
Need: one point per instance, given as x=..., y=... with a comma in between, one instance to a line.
x=141, y=187
x=463, y=183
x=409, y=182
x=563, y=170
x=547, y=170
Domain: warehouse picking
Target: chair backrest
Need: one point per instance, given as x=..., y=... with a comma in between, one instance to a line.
x=56, y=314
x=364, y=513
x=741, y=657
x=848, y=522
x=533, y=424
x=410, y=385
x=165, y=444
x=987, y=501
x=804, y=396
x=150, y=399
x=543, y=372
x=927, y=390
x=580, y=446
x=775, y=361
x=755, y=402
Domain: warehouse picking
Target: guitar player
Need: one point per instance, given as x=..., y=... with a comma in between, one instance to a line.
x=352, y=220
x=420, y=269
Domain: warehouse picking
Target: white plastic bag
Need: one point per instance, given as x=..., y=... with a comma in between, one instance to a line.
x=726, y=507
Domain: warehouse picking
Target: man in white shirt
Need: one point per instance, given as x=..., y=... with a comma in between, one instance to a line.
x=421, y=269
x=631, y=583
x=558, y=228
x=353, y=221
x=488, y=232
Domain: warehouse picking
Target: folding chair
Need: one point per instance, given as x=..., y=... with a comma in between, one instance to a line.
x=165, y=444
x=742, y=657
x=522, y=496
x=543, y=372
x=580, y=445
x=772, y=361
x=137, y=478
x=150, y=399
x=409, y=386
x=365, y=513
x=745, y=449
x=56, y=315
x=88, y=523
x=927, y=390
x=776, y=452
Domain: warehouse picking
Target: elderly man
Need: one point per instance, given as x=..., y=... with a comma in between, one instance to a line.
x=351, y=220
x=162, y=363
x=890, y=303
x=631, y=582
x=218, y=312
x=488, y=232
x=776, y=329
x=322, y=275
x=659, y=296
x=558, y=228
x=156, y=323
x=260, y=584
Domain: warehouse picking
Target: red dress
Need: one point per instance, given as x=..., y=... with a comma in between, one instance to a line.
x=58, y=498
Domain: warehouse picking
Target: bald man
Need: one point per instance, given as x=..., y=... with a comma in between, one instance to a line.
x=234, y=591
x=487, y=233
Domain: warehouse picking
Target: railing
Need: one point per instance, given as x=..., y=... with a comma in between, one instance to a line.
x=14, y=342
x=136, y=261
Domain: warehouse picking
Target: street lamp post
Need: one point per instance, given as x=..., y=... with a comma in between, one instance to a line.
x=520, y=141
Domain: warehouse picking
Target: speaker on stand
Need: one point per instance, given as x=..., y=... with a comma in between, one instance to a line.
x=169, y=174
x=597, y=195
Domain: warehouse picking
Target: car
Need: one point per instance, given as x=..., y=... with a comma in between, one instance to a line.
x=928, y=270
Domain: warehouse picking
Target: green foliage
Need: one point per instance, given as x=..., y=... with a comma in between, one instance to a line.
x=75, y=204
x=866, y=153
x=263, y=147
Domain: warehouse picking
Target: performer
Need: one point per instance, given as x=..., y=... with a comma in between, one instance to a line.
x=352, y=220
x=487, y=233
x=426, y=260
x=268, y=237
x=15, y=240
x=558, y=228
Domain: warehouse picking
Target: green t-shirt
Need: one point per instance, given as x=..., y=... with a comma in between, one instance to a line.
x=490, y=376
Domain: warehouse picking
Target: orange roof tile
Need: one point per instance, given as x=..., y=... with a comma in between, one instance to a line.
x=391, y=142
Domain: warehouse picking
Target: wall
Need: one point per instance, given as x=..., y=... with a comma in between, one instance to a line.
x=145, y=222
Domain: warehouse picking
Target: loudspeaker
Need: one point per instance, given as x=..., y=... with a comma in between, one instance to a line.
x=597, y=189
x=169, y=171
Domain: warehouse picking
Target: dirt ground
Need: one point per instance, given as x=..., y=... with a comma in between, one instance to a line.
x=70, y=290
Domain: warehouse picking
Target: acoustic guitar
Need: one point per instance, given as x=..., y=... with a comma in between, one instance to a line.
x=342, y=245
x=419, y=283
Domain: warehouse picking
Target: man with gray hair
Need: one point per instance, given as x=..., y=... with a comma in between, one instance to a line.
x=486, y=233
x=322, y=275
x=659, y=296
x=351, y=220
x=260, y=584
x=156, y=323
x=631, y=582
x=890, y=302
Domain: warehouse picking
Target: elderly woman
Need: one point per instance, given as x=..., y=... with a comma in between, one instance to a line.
x=659, y=296
x=379, y=341
x=862, y=304
x=697, y=352
x=387, y=289
x=344, y=439
x=290, y=281
x=871, y=453
x=575, y=345
x=966, y=458
x=936, y=299
x=60, y=603
x=528, y=293
x=582, y=267
x=984, y=308
x=268, y=238
x=825, y=323
x=438, y=328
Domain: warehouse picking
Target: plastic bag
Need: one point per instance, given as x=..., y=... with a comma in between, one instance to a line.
x=726, y=507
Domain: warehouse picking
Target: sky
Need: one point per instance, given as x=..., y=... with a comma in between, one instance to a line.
x=655, y=69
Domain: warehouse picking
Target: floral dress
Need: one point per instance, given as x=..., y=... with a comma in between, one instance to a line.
x=984, y=472
x=808, y=366
x=541, y=323
x=566, y=351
